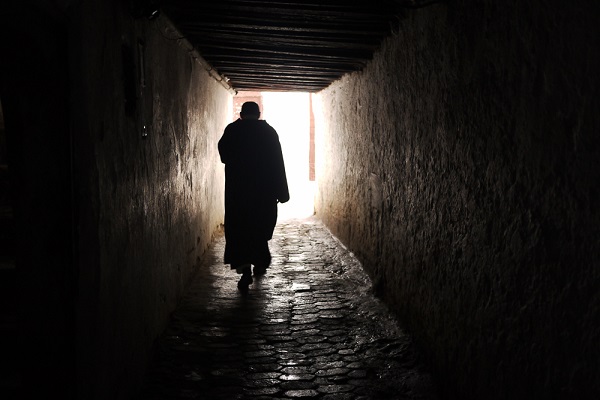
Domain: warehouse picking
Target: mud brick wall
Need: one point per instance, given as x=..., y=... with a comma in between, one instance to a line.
x=146, y=122
x=462, y=167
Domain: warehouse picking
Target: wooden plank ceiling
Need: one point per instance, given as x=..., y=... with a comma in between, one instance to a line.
x=284, y=45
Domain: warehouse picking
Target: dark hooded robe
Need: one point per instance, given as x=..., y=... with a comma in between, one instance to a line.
x=255, y=181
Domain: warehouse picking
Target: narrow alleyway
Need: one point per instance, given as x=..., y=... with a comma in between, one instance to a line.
x=309, y=328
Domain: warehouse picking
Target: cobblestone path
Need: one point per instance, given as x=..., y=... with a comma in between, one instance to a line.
x=308, y=328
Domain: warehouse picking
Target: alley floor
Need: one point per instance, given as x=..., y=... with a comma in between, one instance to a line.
x=309, y=328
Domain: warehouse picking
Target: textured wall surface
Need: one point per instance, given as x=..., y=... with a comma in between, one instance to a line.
x=148, y=206
x=462, y=167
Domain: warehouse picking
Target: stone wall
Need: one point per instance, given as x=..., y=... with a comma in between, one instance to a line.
x=112, y=131
x=462, y=167
x=150, y=186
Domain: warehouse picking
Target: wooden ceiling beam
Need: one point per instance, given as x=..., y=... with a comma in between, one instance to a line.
x=248, y=65
x=292, y=44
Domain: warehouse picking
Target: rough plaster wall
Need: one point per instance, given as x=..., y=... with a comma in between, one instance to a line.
x=149, y=206
x=462, y=167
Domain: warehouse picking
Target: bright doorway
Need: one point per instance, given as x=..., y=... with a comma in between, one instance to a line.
x=290, y=114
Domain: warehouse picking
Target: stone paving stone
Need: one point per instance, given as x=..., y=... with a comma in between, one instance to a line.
x=298, y=385
x=297, y=377
x=302, y=394
x=333, y=372
x=335, y=388
x=260, y=392
x=308, y=329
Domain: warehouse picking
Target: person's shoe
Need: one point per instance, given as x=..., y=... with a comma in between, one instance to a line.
x=245, y=281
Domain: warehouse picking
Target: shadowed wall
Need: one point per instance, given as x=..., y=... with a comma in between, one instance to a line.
x=149, y=206
x=112, y=132
x=462, y=168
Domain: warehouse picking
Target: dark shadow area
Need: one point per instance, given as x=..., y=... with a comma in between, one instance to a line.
x=9, y=374
x=36, y=216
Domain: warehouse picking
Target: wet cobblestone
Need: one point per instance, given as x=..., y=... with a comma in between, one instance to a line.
x=308, y=329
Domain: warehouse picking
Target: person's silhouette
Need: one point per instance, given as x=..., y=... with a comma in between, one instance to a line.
x=255, y=181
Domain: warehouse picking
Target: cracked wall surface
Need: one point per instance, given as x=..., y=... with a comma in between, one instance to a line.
x=462, y=168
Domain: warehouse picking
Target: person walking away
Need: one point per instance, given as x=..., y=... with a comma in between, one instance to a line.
x=255, y=181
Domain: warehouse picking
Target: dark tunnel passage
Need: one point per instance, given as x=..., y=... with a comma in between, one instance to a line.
x=459, y=165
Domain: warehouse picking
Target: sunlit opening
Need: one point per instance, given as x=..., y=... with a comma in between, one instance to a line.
x=289, y=114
